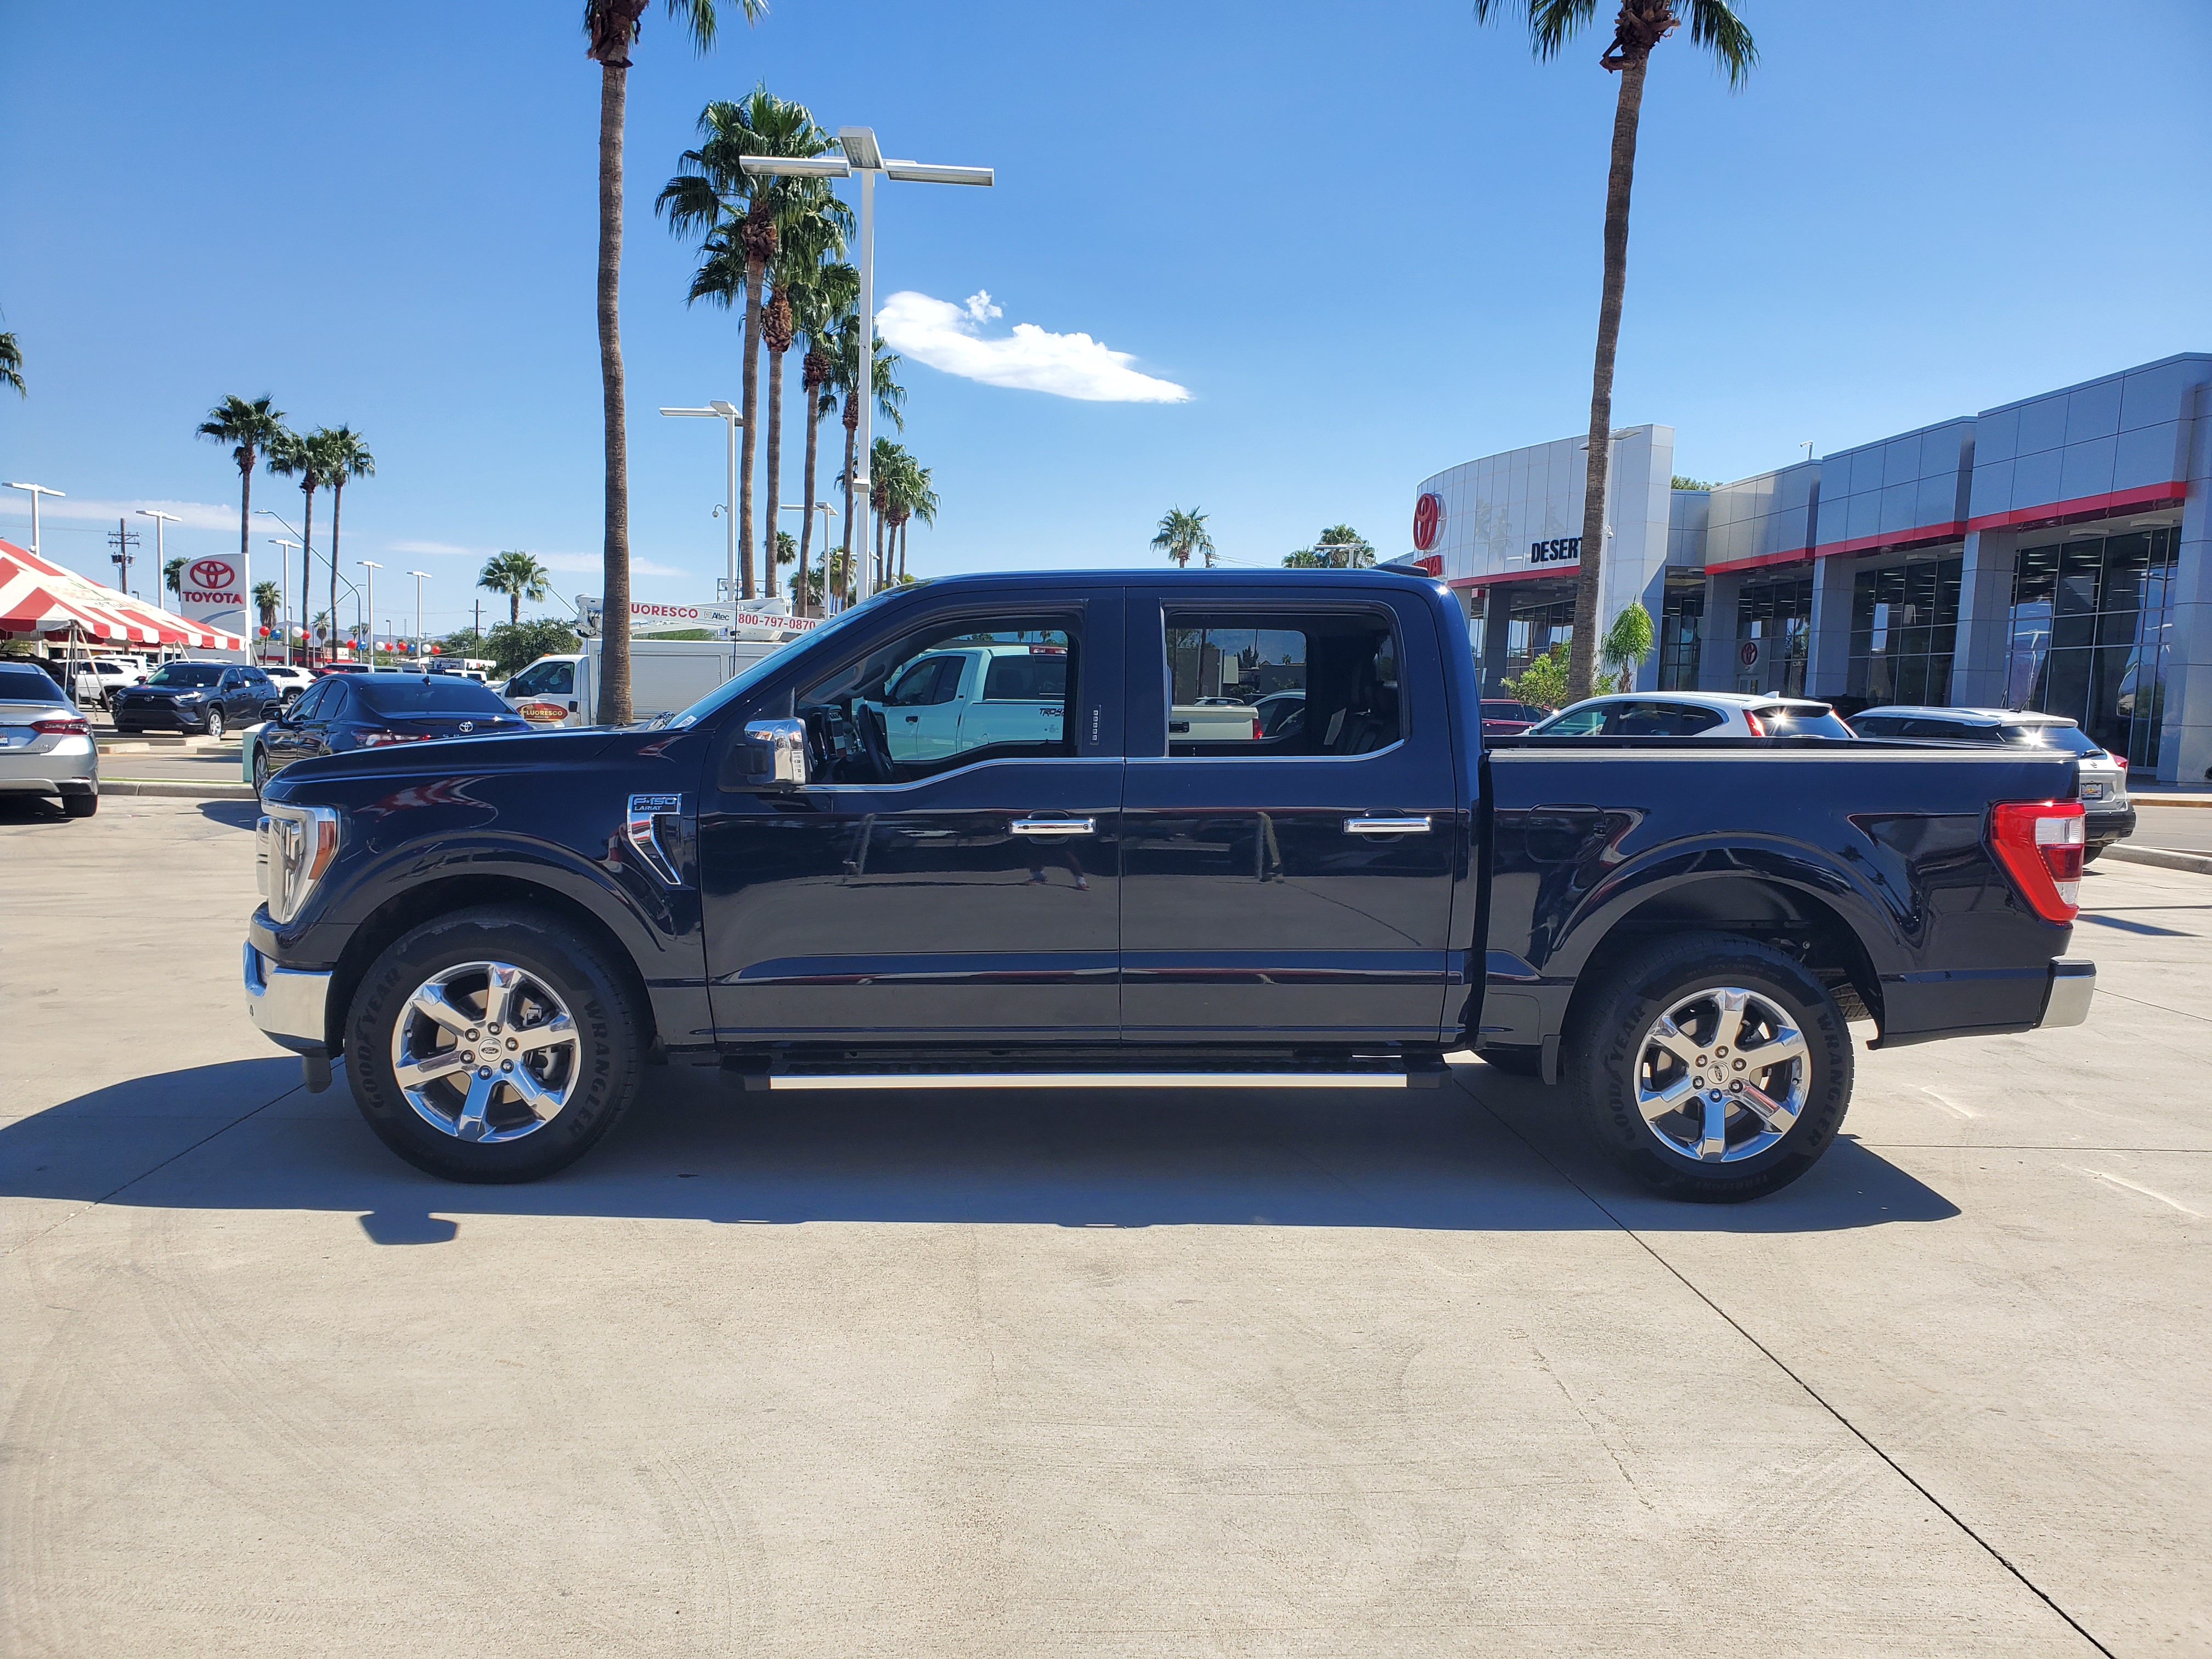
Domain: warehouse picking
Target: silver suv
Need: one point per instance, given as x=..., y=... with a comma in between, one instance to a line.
x=2104, y=788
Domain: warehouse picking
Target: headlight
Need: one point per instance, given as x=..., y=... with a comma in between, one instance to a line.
x=189, y=696
x=293, y=846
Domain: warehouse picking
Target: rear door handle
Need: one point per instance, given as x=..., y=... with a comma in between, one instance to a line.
x=1050, y=827
x=1394, y=825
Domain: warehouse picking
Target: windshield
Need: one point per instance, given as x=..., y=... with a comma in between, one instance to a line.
x=439, y=694
x=187, y=673
x=2071, y=739
x=752, y=675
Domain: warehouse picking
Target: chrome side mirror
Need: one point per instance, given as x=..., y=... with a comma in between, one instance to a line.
x=777, y=753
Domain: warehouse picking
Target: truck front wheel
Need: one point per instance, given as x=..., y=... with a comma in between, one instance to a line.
x=492, y=1045
x=1713, y=1067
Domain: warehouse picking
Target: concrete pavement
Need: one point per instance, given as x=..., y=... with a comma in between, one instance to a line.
x=867, y=1374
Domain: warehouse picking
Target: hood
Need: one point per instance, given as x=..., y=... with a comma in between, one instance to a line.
x=507, y=751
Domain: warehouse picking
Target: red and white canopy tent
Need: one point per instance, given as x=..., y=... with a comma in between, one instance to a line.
x=40, y=597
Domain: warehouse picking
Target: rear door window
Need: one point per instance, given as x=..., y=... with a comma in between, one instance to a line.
x=1575, y=723
x=1220, y=666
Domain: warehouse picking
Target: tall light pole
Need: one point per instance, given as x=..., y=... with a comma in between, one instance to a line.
x=162, y=522
x=420, y=576
x=284, y=591
x=721, y=410
x=371, y=567
x=864, y=157
x=38, y=490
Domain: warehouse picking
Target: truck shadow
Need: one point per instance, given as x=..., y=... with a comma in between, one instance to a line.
x=243, y=1135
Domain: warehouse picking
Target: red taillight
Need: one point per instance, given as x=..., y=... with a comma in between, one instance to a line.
x=1750, y=719
x=1256, y=719
x=65, y=726
x=378, y=740
x=2118, y=761
x=2041, y=843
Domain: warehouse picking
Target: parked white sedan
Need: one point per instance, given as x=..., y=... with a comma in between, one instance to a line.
x=1694, y=715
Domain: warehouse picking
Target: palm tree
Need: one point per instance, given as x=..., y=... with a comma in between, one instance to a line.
x=1641, y=25
x=709, y=185
x=521, y=577
x=611, y=27
x=348, y=458
x=817, y=300
x=810, y=234
x=309, y=458
x=1181, y=534
x=268, y=599
x=250, y=427
x=11, y=364
x=911, y=498
x=845, y=378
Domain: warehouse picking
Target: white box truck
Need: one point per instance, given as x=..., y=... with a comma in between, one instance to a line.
x=665, y=676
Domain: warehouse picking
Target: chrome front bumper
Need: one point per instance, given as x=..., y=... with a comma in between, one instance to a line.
x=288, y=1004
x=2073, y=982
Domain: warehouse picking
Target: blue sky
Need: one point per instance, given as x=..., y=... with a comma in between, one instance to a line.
x=1364, y=239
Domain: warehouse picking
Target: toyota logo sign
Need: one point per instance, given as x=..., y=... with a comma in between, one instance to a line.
x=1428, y=519
x=211, y=572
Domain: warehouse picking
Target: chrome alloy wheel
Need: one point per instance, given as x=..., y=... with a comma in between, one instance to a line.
x=1721, y=1075
x=485, y=1051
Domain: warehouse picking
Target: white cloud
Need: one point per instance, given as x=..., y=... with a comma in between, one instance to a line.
x=591, y=564
x=190, y=515
x=949, y=337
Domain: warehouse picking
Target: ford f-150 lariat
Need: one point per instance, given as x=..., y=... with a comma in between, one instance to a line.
x=499, y=937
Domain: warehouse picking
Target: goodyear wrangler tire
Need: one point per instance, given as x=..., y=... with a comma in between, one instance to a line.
x=492, y=1045
x=1713, y=1067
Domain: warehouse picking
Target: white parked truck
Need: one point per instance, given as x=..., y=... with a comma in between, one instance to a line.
x=665, y=676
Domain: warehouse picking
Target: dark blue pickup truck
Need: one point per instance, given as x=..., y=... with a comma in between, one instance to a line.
x=822, y=878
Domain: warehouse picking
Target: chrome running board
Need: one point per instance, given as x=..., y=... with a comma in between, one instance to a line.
x=1375, y=1079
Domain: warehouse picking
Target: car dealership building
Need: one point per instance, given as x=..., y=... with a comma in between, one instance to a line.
x=2053, y=553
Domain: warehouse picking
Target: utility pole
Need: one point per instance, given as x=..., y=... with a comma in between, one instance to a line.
x=122, y=538
x=478, y=630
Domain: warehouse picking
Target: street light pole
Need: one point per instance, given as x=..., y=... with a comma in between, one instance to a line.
x=162, y=522
x=38, y=490
x=284, y=592
x=864, y=157
x=418, y=575
x=371, y=567
x=727, y=411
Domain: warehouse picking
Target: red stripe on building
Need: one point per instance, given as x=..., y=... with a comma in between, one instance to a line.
x=1891, y=540
x=1513, y=576
x=1798, y=557
x=2083, y=507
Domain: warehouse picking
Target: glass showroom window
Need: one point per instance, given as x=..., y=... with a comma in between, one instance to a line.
x=1780, y=612
x=2092, y=624
x=1533, y=627
x=1905, y=627
x=1682, y=618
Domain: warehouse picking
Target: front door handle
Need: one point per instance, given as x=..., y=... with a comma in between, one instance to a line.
x=1391, y=825
x=1050, y=827
x=913, y=720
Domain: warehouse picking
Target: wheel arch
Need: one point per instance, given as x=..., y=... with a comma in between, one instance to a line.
x=411, y=906
x=1804, y=924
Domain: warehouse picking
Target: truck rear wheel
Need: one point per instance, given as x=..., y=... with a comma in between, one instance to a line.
x=1713, y=1067
x=492, y=1045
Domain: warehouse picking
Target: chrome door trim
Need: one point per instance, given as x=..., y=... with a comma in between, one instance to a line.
x=1052, y=827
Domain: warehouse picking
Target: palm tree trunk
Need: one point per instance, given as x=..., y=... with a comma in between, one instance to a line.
x=845, y=574
x=753, y=273
x=806, y=525
x=902, y=524
x=1582, y=651
x=337, y=499
x=514, y=608
x=878, y=583
x=307, y=570
x=614, y=625
x=244, y=528
x=774, y=513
